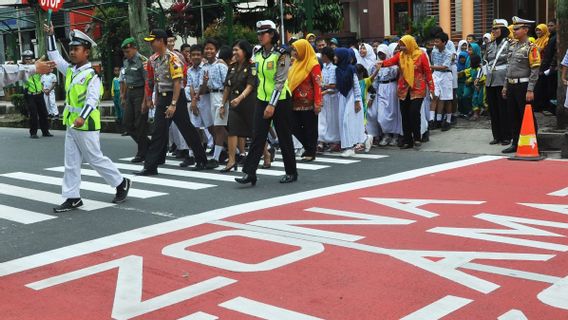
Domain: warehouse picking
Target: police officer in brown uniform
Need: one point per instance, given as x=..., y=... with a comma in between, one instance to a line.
x=165, y=75
x=522, y=75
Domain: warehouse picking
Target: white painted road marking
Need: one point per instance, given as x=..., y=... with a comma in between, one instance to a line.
x=263, y=311
x=439, y=309
x=85, y=185
x=22, y=216
x=55, y=255
x=48, y=197
x=173, y=183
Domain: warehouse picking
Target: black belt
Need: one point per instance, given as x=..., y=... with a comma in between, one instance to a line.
x=216, y=90
x=135, y=87
x=165, y=93
x=389, y=81
x=442, y=70
x=33, y=94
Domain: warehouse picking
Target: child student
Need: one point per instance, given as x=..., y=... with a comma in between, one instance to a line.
x=366, y=83
x=116, y=96
x=351, y=119
x=387, y=103
x=475, y=86
x=328, y=123
x=443, y=84
x=464, y=106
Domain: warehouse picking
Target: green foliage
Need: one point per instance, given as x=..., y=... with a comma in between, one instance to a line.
x=327, y=15
x=419, y=28
x=114, y=31
x=19, y=103
x=220, y=31
x=184, y=17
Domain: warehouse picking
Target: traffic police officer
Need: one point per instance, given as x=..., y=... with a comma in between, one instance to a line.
x=273, y=104
x=133, y=101
x=83, y=90
x=12, y=73
x=496, y=64
x=33, y=94
x=165, y=74
x=522, y=75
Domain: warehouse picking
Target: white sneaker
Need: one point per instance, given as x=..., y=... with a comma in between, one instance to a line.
x=393, y=142
x=385, y=141
x=368, y=143
x=348, y=153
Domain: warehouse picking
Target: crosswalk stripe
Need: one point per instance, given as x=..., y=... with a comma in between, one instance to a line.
x=303, y=166
x=85, y=185
x=180, y=173
x=22, y=216
x=358, y=155
x=148, y=180
x=329, y=160
x=48, y=197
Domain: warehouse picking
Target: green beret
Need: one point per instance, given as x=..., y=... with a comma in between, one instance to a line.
x=128, y=42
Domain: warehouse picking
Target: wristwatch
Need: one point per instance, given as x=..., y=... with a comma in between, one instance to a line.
x=173, y=103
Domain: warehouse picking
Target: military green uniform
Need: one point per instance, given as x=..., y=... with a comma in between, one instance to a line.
x=135, y=121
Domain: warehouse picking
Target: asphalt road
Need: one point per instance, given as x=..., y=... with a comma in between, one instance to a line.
x=23, y=174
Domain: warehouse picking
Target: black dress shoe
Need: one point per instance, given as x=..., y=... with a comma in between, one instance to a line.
x=505, y=142
x=406, y=146
x=494, y=141
x=307, y=159
x=137, y=159
x=147, y=172
x=68, y=205
x=189, y=161
x=446, y=126
x=426, y=136
x=511, y=149
x=246, y=179
x=47, y=135
x=34, y=136
x=289, y=178
x=212, y=164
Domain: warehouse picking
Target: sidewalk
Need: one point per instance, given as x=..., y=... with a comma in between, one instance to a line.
x=472, y=137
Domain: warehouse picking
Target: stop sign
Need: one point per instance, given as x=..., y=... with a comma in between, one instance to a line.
x=52, y=5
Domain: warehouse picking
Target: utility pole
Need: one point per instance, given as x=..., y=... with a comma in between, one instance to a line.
x=139, y=27
x=562, y=43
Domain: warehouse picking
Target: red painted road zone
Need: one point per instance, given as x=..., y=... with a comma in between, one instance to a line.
x=485, y=241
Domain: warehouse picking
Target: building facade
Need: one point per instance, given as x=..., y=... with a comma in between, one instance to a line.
x=379, y=19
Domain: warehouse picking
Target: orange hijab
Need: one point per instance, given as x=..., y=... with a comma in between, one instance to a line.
x=408, y=59
x=303, y=65
x=542, y=41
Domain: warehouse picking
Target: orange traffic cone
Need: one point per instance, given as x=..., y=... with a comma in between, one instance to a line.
x=527, y=148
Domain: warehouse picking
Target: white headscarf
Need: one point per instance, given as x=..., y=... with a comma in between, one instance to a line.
x=487, y=36
x=460, y=45
x=392, y=47
x=384, y=49
x=369, y=60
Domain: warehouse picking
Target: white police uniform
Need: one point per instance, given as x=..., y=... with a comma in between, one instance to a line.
x=79, y=144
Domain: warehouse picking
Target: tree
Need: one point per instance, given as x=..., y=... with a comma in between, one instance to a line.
x=327, y=15
x=184, y=17
x=139, y=28
x=115, y=29
x=219, y=31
